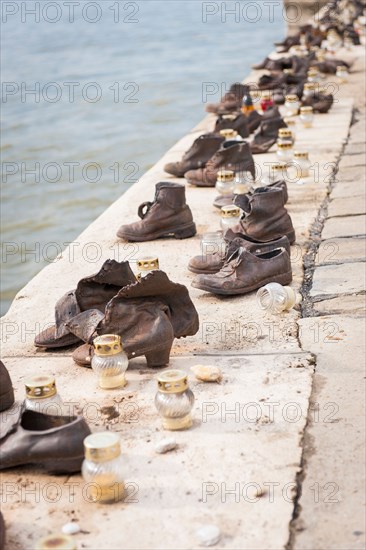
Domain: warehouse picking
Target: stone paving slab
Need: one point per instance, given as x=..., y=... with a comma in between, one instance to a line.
x=340, y=250
x=352, y=161
x=339, y=279
x=332, y=500
x=236, y=444
x=347, y=206
x=342, y=305
x=354, y=187
x=344, y=227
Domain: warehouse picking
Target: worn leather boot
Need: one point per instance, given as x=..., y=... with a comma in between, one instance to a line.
x=233, y=155
x=321, y=103
x=148, y=315
x=168, y=215
x=212, y=263
x=244, y=272
x=266, y=135
x=235, y=121
x=53, y=442
x=221, y=201
x=6, y=389
x=231, y=101
x=203, y=148
x=92, y=292
x=265, y=216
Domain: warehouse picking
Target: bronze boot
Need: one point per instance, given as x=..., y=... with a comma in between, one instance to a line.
x=6, y=389
x=244, y=272
x=266, y=135
x=235, y=121
x=233, y=155
x=92, y=292
x=53, y=442
x=231, y=101
x=203, y=148
x=212, y=263
x=148, y=315
x=265, y=216
x=168, y=215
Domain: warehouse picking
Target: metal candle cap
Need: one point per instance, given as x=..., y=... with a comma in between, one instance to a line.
x=284, y=133
x=41, y=386
x=313, y=72
x=306, y=110
x=230, y=211
x=228, y=133
x=278, y=166
x=56, y=542
x=108, y=344
x=288, y=71
x=301, y=155
x=148, y=264
x=225, y=175
x=284, y=145
x=309, y=86
x=290, y=121
x=102, y=446
x=292, y=98
x=172, y=381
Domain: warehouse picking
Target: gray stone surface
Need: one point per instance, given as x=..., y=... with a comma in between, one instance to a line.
x=341, y=250
x=338, y=279
x=346, y=226
x=347, y=206
x=346, y=305
x=332, y=500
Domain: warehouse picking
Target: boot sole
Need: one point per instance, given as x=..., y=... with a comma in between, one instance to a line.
x=203, y=271
x=182, y=232
x=284, y=279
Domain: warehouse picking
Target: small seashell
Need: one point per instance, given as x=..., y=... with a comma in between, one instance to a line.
x=70, y=528
x=165, y=445
x=207, y=373
x=209, y=535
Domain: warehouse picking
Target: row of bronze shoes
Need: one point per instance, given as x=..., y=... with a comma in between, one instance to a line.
x=257, y=249
x=149, y=313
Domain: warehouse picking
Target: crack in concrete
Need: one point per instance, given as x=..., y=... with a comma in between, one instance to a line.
x=307, y=310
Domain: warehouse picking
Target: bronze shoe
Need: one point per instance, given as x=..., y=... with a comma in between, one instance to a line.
x=244, y=272
x=212, y=263
x=202, y=149
x=6, y=389
x=168, y=215
x=92, y=292
x=53, y=442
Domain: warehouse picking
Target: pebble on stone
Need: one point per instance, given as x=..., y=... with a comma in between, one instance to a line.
x=165, y=445
x=70, y=528
x=209, y=535
x=207, y=373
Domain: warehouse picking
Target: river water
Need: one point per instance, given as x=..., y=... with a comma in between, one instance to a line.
x=93, y=93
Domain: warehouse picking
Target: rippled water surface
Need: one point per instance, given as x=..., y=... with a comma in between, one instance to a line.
x=114, y=93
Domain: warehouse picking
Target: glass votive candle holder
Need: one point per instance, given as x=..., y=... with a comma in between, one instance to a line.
x=284, y=151
x=342, y=74
x=213, y=243
x=103, y=467
x=285, y=134
x=109, y=361
x=230, y=217
x=41, y=395
x=291, y=125
x=174, y=400
x=307, y=116
x=302, y=164
x=225, y=182
x=275, y=298
x=292, y=105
